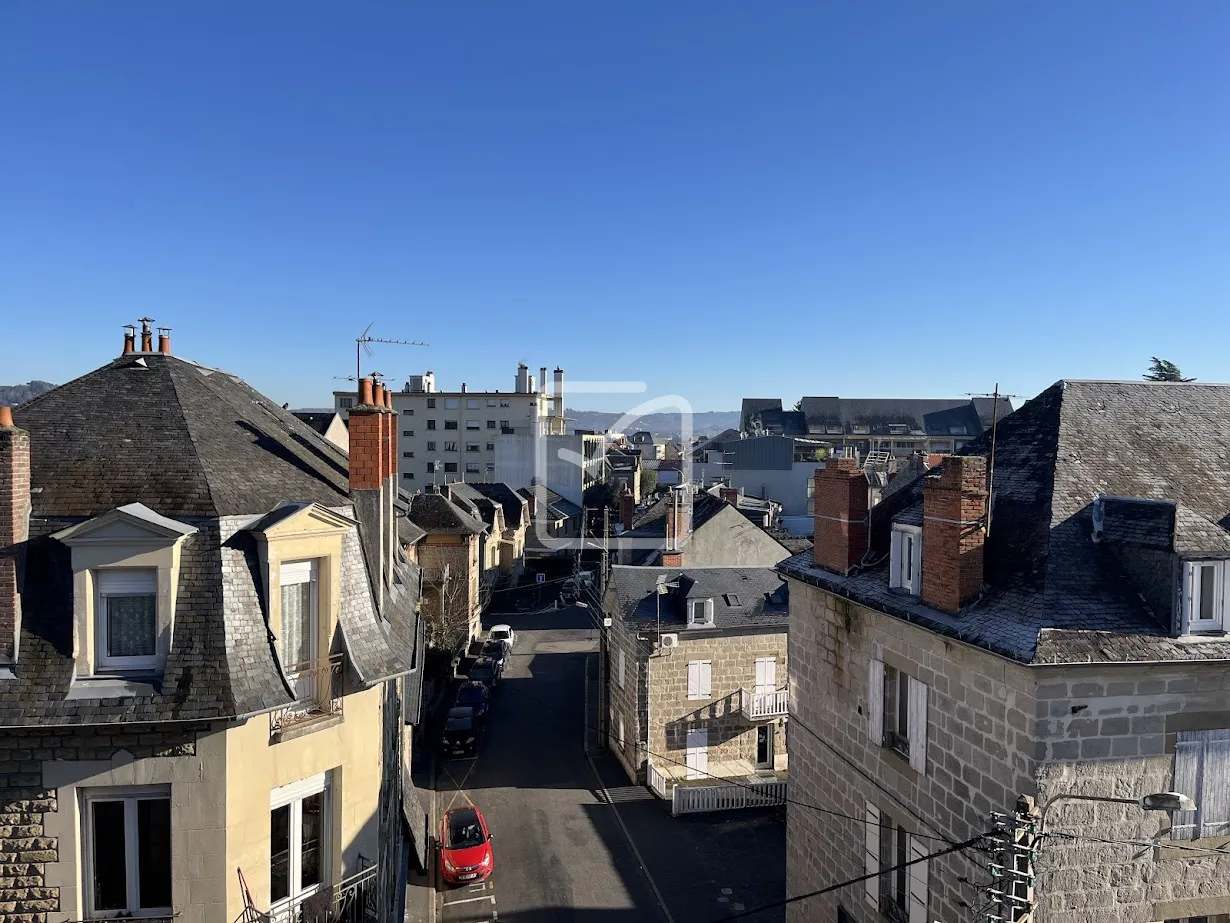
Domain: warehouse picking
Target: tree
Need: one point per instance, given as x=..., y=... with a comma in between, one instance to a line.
x=798, y=405
x=1164, y=370
x=448, y=612
x=649, y=480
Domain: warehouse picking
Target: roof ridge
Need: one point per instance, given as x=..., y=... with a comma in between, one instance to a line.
x=196, y=445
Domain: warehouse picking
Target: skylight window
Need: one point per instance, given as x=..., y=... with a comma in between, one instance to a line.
x=732, y=600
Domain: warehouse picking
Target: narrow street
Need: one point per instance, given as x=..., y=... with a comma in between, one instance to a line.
x=573, y=839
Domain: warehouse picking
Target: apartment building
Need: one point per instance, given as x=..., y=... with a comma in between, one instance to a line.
x=1052, y=625
x=697, y=672
x=207, y=635
x=448, y=436
x=569, y=464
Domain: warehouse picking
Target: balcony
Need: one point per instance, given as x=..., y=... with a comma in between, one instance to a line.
x=764, y=704
x=352, y=900
x=317, y=685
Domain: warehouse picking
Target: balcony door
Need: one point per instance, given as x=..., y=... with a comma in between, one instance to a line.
x=766, y=675
x=764, y=746
x=298, y=848
x=696, y=756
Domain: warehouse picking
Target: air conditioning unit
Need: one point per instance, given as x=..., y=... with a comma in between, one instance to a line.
x=669, y=640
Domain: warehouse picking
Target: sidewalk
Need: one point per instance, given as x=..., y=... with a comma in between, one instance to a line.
x=421, y=886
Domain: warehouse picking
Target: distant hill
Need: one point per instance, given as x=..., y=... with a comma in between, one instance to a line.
x=709, y=423
x=12, y=395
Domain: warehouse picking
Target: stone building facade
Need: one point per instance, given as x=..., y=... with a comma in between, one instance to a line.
x=941, y=669
x=719, y=686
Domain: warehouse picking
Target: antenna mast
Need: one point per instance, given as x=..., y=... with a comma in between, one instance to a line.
x=362, y=342
x=995, y=395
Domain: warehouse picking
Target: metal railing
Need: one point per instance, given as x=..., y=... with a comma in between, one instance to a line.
x=352, y=900
x=764, y=704
x=317, y=685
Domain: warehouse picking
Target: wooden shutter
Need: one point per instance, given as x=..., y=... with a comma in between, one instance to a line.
x=620, y=671
x=1214, y=799
x=894, y=559
x=1188, y=755
x=916, y=568
x=706, y=679
x=875, y=702
x=918, y=882
x=694, y=679
x=917, y=726
x=871, y=855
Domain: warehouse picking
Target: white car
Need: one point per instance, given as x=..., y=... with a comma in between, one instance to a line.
x=503, y=633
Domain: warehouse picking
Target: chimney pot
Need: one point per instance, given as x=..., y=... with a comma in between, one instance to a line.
x=147, y=335
x=130, y=341
x=6, y=415
x=365, y=392
x=164, y=340
x=377, y=394
x=954, y=532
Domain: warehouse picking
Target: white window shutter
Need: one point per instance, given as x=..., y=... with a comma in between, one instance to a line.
x=620, y=671
x=1214, y=797
x=694, y=679
x=917, y=725
x=916, y=550
x=1189, y=586
x=871, y=855
x=706, y=679
x=127, y=581
x=708, y=611
x=918, y=882
x=1187, y=758
x=894, y=559
x=875, y=702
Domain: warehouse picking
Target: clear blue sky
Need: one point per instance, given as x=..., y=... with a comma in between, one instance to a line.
x=720, y=198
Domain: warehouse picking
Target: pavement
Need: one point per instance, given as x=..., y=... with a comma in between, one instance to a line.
x=574, y=840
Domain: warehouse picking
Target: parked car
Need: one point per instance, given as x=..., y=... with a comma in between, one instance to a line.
x=475, y=697
x=497, y=652
x=503, y=633
x=486, y=672
x=461, y=728
x=465, y=846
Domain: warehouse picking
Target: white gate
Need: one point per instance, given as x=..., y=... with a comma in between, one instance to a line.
x=693, y=799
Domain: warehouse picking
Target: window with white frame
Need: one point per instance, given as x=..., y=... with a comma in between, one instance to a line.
x=473, y=468
x=345, y=403
x=127, y=619
x=298, y=839
x=472, y=403
x=700, y=679
x=451, y=403
x=1204, y=596
x=1202, y=772
x=897, y=712
x=127, y=847
x=473, y=424
x=298, y=641
x=619, y=671
x=700, y=613
x=905, y=559
x=899, y=894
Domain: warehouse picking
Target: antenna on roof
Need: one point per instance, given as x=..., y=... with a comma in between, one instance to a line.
x=362, y=343
x=995, y=395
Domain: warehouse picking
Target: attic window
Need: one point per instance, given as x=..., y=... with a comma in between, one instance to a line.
x=1204, y=597
x=732, y=599
x=700, y=613
x=957, y=431
x=833, y=430
x=898, y=429
x=860, y=429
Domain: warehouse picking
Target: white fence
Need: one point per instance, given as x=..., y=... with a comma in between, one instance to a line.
x=693, y=799
x=657, y=782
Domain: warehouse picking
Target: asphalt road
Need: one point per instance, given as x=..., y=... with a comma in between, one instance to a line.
x=560, y=852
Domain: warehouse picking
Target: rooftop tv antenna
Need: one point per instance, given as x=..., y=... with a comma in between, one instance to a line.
x=362, y=343
x=991, y=461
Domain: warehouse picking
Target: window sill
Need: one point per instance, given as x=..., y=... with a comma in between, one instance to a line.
x=898, y=760
x=305, y=726
x=113, y=687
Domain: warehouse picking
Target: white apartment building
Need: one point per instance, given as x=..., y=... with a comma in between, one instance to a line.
x=446, y=436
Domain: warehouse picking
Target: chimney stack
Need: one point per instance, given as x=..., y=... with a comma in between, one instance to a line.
x=147, y=335
x=14, y=528
x=627, y=509
x=954, y=531
x=366, y=440
x=164, y=340
x=678, y=520
x=557, y=393
x=542, y=377
x=730, y=495
x=841, y=505
x=130, y=339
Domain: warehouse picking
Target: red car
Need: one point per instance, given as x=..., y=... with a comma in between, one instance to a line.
x=465, y=846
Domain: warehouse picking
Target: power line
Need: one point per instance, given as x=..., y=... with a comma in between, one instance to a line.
x=955, y=847
x=801, y=804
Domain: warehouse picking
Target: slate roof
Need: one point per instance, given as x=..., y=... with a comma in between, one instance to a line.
x=756, y=405
x=437, y=515
x=184, y=439
x=652, y=522
x=922, y=417
x=561, y=508
x=201, y=447
x=744, y=598
x=515, y=506
x=319, y=420
x=1052, y=593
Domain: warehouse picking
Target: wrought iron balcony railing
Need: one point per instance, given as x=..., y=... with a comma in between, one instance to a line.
x=352, y=900
x=764, y=704
x=317, y=685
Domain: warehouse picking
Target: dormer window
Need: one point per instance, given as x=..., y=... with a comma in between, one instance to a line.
x=1204, y=597
x=905, y=559
x=898, y=429
x=860, y=429
x=127, y=619
x=700, y=613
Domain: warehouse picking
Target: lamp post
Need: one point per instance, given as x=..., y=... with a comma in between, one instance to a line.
x=1158, y=801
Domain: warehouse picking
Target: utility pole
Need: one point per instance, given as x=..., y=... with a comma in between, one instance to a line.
x=1014, y=854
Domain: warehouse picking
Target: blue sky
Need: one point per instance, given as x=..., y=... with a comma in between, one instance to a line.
x=718, y=198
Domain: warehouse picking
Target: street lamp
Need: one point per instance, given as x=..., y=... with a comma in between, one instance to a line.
x=1158, y=801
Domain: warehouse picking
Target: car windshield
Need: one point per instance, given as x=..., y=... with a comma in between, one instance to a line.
x=499, y=635
x=465, y=832
x=457, y=724
x=470, y=695
x=494, y=649
x=481, y=671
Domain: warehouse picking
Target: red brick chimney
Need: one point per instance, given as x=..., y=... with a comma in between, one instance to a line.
x=627, y=509
x=14, y=528
x=678, y=519
x=147, y=335
x=954, y=511
x=164, y=340
x=130, y=340
x=841, y=505
x=367, y=462
x=730, y=495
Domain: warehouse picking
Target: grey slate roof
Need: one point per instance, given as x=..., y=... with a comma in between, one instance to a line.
x=514, y=505
x=185, y=440
x=181, y=427
x=921, y=416
x=561, y=508
x=319, y=420
x=756, y=405
x=652, y=522
x=438, y=515
x=744, y=598
x=1052, y=593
